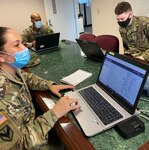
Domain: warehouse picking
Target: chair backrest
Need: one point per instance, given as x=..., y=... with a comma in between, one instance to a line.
x=88, y=37
x=106, y=42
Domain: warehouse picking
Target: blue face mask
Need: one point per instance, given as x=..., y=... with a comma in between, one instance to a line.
x=22, y=58
x=38, y=24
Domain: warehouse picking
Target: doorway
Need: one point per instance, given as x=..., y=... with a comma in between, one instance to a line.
x=63, y=21
x=85, y=11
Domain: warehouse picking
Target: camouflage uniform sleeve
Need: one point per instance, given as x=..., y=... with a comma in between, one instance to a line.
x=18, y=127
x=25, y=38
x=146, y=53
x=35, y=134
x=147, y=29
x=35, y=82
x=125, y=46
x=48, y=29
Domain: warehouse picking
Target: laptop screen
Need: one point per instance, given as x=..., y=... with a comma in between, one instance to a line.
x=122, y=78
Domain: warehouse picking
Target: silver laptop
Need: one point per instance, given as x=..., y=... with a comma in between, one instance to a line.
x=91, y=50
x=47, y=42
x=115, y=94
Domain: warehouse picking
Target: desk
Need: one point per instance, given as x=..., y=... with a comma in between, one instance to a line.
x=60, y=63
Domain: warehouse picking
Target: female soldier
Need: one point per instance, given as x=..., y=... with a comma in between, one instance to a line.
x=19, y=129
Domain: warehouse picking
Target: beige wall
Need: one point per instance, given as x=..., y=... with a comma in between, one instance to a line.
x=16, y=13
x=103, y=18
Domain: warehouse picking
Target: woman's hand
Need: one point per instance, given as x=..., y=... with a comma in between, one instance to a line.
x=64, y=105
x=55, y=89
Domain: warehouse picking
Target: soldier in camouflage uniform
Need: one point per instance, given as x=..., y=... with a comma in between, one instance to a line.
x=19, y=129
x=36, y=29
x=29, y=34
x=134, y=31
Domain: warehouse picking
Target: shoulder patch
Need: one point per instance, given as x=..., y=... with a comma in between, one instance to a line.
x=6, y=133
x=2, y=118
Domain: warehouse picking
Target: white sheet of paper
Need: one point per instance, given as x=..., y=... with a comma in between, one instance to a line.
x=76, y=77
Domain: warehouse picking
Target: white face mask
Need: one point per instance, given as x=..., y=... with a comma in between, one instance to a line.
x=38, y=24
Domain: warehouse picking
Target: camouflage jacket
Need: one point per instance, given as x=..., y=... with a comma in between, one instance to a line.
x=19, y=129
x=29, y=34
x=136, y=37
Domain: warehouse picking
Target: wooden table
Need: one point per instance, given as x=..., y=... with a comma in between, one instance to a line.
x=57, y=64
x=145, y=146
x=68, y=132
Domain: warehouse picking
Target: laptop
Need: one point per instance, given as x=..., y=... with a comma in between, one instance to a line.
x=47, y=42
x=91, y=50
x=119, y=86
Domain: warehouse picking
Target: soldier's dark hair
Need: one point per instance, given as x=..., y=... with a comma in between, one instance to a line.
x=122, y=7
x=3, y=31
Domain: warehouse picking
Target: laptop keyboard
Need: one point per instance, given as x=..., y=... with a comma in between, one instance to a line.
x=103, y=109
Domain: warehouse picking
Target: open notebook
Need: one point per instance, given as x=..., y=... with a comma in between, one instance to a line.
x=114, y=97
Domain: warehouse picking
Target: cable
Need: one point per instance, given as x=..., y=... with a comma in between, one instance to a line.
x=144, y=117
x=144, y=99
x=142, y=114
x=145, y=114
x=141, y=110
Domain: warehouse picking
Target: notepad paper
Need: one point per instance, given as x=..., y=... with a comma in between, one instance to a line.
x=76, y=78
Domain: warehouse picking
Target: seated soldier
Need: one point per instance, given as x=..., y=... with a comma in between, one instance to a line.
x=36, y=29
x=20, y=128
